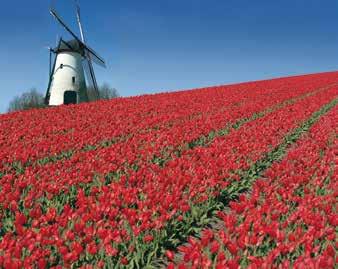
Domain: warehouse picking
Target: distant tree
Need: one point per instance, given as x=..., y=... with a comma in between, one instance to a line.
x=34, y=99
x=105, y=92
x=28, y=100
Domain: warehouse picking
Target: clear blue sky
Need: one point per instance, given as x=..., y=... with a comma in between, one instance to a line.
x=152, y=46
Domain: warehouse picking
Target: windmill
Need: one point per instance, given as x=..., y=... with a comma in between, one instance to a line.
x=72, y=66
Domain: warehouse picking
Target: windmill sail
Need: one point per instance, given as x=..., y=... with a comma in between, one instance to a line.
x=92, y=88
x=93, y=55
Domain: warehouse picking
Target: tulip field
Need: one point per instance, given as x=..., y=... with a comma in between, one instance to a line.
x=236, y=176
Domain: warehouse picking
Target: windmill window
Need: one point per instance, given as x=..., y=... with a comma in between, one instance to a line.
x=73, y=80
x=61, y=66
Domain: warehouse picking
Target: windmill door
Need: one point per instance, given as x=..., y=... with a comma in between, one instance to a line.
x=70, y=97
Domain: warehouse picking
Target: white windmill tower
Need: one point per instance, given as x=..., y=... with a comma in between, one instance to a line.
x=73, y=59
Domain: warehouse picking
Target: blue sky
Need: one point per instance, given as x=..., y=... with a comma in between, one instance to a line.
x=152, y=46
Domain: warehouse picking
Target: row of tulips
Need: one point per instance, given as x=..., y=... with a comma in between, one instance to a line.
x=288, y=220
x=75, y=129
x=57, y=178
x=30, y=136
x=149, y=147
x=124, y=221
